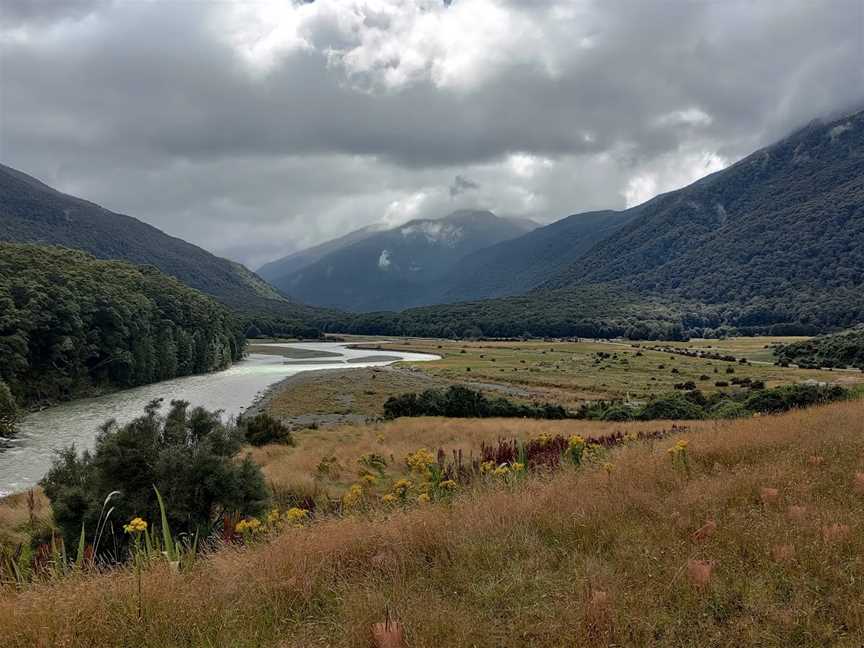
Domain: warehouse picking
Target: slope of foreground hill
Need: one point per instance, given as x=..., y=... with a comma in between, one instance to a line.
x=33, y=212
x=748, y=535
x=399, y=267
x=71, y=325
x=778, y=235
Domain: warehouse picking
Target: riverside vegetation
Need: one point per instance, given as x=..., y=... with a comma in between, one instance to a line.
x=72, y=325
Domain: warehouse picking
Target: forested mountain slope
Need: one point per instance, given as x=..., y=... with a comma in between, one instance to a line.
x=33, y=212
x=518, y=265
x=779, y=235
x=840, y=350
x=71, y=324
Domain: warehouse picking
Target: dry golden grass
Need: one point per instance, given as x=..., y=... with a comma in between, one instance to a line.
x=579, y=558
x=15, y=515
x=296, y=467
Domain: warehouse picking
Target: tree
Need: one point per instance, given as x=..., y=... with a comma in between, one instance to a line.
x=190, y=455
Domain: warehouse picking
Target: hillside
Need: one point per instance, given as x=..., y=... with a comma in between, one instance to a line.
x=72, y=325
x=746, y=537
x=296, y=261
x=33, y=212
x=395, y=269
x=840, y=350
x=516, y=266
x=774, y=244
x=779, y=236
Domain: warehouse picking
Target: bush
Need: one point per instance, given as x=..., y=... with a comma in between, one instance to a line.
x=782, y=399
x=671, y=407
x=729, y=409
x=189, y=455
x=461, y=402
x=619, y=412
x=262, y=429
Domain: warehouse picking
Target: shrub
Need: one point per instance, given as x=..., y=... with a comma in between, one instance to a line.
x=262, y=429
x=728, y=409
x=782, y=399
x=189, y=455
x=619, y=412
x=672, y=406
x=461, y=402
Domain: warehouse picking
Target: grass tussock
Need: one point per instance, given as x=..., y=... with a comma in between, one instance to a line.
x=760, y=542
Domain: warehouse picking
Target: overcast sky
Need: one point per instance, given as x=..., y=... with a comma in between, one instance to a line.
x=254, y=128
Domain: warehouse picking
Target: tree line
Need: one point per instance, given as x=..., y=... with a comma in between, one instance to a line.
x=72, y=325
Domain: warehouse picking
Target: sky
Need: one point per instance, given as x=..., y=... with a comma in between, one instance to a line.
x=255, y=128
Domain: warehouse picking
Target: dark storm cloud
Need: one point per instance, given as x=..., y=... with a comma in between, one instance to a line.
x=255, y=128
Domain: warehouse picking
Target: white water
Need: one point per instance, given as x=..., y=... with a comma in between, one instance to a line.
x=28, y=456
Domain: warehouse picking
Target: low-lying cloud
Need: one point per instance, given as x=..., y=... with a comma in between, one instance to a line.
x=254, y=129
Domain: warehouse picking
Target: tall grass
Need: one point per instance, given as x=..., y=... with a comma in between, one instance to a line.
x=638, y=554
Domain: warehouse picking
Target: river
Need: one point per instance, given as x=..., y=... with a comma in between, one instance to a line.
x=28, y=456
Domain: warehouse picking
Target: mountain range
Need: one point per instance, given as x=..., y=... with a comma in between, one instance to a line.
x=773, y=243
x=394, y=268
x=33, y=212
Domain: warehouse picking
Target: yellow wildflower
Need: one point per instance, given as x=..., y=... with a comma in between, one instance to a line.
x=487, y=466
x=423, y=498
x=389, y=498
x=501, y=471
x=368, y=480
x=273, y=516
x=353, y=496
x=576, y=441
x=448, y=484
x=607, y=467
x=420, y=461
x=544, y=439
x=402, y=486
x=136, y=525
x=518, y=467
x=296, y=515
x=249, y=525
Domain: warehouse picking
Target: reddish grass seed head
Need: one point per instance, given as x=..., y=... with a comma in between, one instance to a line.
x=835, y=533
x=783, y=552
x=699, y=572
x=769, y=495
x=705, y=531
x=797, y=513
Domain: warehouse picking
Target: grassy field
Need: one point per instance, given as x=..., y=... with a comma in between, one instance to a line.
x=571, y=372
x=759, y=542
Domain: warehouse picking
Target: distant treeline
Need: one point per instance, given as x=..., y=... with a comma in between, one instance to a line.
x=71, y=325
x=694, y=405
x=462, y=402
x=607, y=311
x=841, y=351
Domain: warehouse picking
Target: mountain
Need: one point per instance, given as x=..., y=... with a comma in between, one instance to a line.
x=33, y=212
x=301, y=259
x=395, y=269
x=518, y=265
x=772, y=244
x=778, y=235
